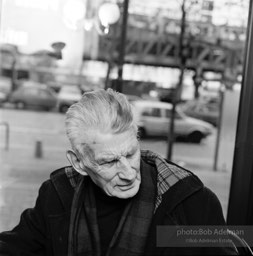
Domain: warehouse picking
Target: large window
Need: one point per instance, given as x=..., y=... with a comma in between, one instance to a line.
x=44, y=44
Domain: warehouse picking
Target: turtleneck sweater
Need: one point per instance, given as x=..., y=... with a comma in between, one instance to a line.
x=109, y=211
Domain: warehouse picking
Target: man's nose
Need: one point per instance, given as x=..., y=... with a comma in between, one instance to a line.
x=126, y=171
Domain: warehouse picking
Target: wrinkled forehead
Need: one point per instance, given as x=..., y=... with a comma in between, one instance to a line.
x=120, y=143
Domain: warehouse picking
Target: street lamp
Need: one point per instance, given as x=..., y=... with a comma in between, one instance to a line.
x=83, y=15
x=105, y=15
x=108, y=14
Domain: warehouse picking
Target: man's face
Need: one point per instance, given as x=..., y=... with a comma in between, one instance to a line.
x=118, y=163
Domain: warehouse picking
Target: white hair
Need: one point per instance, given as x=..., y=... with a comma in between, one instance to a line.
x=104, y=111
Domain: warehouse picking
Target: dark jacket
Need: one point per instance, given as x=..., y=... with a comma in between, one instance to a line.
x=43, y=230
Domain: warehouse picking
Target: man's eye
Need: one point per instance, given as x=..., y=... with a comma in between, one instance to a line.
x=110, y=162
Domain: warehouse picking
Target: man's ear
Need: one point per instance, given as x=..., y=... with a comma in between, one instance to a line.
x=75, y=162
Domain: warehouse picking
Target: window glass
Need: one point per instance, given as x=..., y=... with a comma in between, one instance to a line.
x=50, y=43
x=155, y=112
x=168, y=114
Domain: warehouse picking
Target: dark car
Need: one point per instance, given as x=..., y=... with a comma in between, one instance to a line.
x=33, y=95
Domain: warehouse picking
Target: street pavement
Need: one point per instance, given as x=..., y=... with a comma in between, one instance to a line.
x=23, y=171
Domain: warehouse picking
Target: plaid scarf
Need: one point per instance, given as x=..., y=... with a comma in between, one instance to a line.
x=132, y=230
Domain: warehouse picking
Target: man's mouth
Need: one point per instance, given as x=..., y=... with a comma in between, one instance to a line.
x=126, y=186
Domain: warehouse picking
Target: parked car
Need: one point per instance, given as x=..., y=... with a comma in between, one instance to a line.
x=154, y=119
x=207, y=110
x=3, y=97
x=5, y=87
x=32, y=94
x=68, y=95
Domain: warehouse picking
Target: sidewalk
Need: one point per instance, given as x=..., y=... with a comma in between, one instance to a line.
x=22, y=174
x=21, y=177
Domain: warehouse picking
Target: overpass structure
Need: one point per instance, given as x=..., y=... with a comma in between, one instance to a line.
x=213, y=49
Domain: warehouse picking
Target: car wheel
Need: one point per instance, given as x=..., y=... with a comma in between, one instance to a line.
x=63, y=108
x=20, y=105
x=195, y=137
x=142, y=133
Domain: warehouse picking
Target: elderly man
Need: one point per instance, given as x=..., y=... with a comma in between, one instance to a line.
x=113, y=197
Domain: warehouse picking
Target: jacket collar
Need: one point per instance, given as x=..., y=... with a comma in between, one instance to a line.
x=172, y=180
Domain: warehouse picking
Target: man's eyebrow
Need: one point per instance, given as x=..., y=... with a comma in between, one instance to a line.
x=106, y=158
